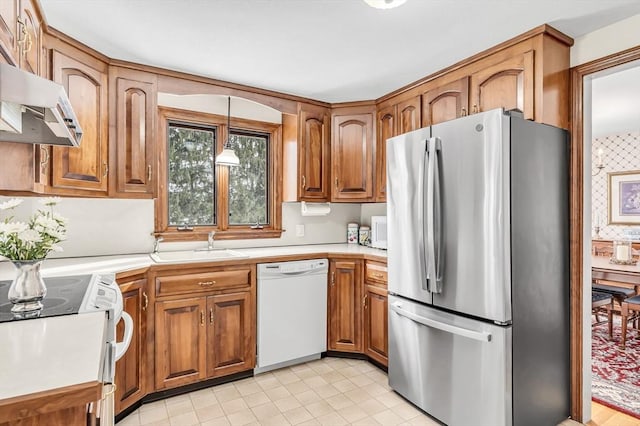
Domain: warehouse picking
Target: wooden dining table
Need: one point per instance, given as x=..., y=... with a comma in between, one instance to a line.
x=604, y=271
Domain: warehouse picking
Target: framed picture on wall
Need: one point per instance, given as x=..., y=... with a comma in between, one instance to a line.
x=624, y=198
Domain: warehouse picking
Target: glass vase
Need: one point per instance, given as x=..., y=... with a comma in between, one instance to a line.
x=28, y=288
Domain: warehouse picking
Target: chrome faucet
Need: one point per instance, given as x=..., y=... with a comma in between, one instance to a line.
x=156, y=244
x=210, y=237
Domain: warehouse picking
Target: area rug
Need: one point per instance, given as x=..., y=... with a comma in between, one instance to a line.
x=616, y=371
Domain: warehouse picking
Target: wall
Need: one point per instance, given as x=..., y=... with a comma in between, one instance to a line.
x=373, y=209
x=621, y=153
x=613, y=38
x=97, y=226
x=120, y=226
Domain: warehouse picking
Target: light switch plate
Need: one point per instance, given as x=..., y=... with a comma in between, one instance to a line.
x=299, y=230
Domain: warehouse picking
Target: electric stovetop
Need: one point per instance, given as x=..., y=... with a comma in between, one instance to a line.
x=64, y=297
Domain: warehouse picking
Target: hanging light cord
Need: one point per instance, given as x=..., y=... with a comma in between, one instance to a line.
x=228, y=144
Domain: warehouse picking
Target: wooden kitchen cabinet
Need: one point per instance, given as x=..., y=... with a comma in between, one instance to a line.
x=445, y=102
x=131, y=369
x=345, y=305
x=210, y=335
x=386, y=129
x=408, y=113
x=376, y=335
x=181, y=342
x=529, y=73
x=230, y=347
x=29, y=43
x=82, y=170
x=314, y=147
x=352, y=154
x=132, y=113
x=392, y=120
x=508, y=84
x=9, y=12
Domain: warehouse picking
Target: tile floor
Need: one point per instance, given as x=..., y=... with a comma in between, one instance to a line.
x=330, y=391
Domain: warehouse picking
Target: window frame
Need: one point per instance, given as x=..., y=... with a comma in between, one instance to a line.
x=222, y=228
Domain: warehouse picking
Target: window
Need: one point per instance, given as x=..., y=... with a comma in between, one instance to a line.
x=195, y=196
x=248, y=182
x=191, y=172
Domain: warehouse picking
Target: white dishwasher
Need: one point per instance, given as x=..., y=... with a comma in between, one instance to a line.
x=292, y=312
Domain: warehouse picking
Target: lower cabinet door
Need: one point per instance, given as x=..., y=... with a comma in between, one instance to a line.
x=181, y=337
x=375, y=323
x=345, y=306
x=131, y=368
x=230, y=347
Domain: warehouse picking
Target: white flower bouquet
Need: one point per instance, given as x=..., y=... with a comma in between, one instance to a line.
x=34, y=239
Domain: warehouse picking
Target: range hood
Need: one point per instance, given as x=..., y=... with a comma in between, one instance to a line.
x=35, y=110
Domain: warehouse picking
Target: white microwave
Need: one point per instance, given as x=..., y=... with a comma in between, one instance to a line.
x=379, y=232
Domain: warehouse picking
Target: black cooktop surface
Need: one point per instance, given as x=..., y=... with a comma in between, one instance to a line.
x=64, y=296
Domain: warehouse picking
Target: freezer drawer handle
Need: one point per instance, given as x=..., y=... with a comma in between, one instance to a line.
x=482, y=336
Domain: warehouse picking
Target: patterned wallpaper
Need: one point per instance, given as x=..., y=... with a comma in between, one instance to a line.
x=621, y=152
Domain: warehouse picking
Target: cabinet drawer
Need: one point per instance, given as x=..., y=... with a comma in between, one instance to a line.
x=375, y=273
x=203, y=282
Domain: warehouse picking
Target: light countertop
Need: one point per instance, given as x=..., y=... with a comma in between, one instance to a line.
x=50, y=353
x=122, y=263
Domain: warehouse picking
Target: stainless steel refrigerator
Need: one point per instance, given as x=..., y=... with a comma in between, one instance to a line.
x=478, y=240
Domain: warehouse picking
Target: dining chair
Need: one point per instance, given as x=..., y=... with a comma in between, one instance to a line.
x=629, y=311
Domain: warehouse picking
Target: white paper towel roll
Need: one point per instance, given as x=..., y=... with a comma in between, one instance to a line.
x=315, y=209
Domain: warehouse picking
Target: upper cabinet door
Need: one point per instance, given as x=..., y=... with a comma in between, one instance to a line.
x=386, y=129
x=445, y=102
x=9, y=11
x=352, y=157
x=29, y=38
x=508, y=84
x=136, y=101
x=408, y=116
x=85, y=167
x=313, y=160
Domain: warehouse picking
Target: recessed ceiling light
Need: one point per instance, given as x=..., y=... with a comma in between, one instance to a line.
x=384, y=4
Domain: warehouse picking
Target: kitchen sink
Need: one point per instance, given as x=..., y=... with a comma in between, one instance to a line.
x=196, y=255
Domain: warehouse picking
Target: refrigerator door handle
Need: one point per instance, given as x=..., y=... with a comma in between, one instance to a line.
x=434, y=218
x=422, y=190
x=481, y=336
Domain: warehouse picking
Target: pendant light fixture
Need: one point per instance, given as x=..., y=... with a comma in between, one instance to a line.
x=385, y=4
x=228, y=157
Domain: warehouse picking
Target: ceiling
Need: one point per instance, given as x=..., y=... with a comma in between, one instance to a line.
x=329, y=50
x=615, y=100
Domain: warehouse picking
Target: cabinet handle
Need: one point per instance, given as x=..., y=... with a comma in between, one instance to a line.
x=364, y=301
x=146, y=301
x=377, y=275
x=336, y=182
x=211, y=315
x=304, y=183
x=44, y=158
x=25, y=41
x=475, y=109
x=106, y=169
x=206, y=283
x=110, y=392
x=149, y=172
x=463, y=112
x=201, y=317
x=29, y=44
x=333, y=278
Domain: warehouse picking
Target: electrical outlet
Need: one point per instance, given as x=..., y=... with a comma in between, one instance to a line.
x=299, y=230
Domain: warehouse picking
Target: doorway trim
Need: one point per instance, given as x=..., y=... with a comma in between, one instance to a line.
x=576, y=207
